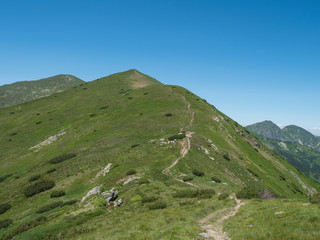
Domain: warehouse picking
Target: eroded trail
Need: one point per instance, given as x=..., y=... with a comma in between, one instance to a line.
x=186, y=144
x=215, y=231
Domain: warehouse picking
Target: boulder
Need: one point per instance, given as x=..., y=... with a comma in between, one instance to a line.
x=111, y=196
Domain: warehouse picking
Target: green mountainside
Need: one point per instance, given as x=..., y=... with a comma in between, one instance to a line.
x=299, y=147
x=269, y=130
x=302, y=136
x=20, y=92
x=126, y=157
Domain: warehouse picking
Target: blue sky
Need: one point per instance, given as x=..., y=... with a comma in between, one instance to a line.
x=253, y=60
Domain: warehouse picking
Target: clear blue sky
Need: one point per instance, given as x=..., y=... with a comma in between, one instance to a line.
x=254, y=60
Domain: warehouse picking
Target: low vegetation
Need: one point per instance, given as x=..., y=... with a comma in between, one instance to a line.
x=216, y=179
x=187, y=178
x=4, y=207
x=5, y=223
x=34, y=178
x=177, y=136
x=38, y=187
x=51, y=170
x=197, y=173
x=147, y=199
x=49, y=207
x=315, y=198
x=131, y=172
x=223, y=196
x=5, y=177
x=193, y=193
x=248, y=192
x=57, y=193
x=158, y=205
x=62, y=158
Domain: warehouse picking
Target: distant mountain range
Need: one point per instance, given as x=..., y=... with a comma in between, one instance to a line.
x=20, y=92
x=298, y=146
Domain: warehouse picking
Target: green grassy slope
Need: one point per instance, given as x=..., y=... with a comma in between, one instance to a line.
x=306, y=159
x=20, y=92
x=125, y=119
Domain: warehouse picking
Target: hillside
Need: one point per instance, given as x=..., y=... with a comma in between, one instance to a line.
x=295, y=144
x=20, y=92
x=126, y=157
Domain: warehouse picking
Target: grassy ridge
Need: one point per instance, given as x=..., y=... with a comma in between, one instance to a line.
x=99, y=123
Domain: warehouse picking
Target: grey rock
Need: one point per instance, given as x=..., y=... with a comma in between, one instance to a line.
x=111, y=196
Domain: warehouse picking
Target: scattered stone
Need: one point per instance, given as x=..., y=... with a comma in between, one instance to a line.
x=93, y=191
x=48, y=141
x=118, y=203
x=104, y=171
x=111, y=195
x=205, y=150
x=277, y=213
x=203, y=234
x=306, y=204
x=130, y=180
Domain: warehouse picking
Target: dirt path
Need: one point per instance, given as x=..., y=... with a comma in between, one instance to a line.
x=186, y=145
x=215, y=231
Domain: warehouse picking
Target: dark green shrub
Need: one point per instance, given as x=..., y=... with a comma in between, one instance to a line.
x=248, y=193
x=282, y=177
x=217, y=180
x=41, y=219
x=4, y=207
x=131, y=172
x=49, y=207
x=145, y=93
x=296, y=188
x=253, y=172
x=51, y=170
x=104, y=107
x=62, y=158
x=130, y=98
x=178, y=136
x=187, y=178
x=223, y=196
x=158, y=205
x=184, y=203
x=34, y=178
x=5, y=223
x=147, y=199
x=13, y=134
x=202, y=193
x=205, y=193
x=168, y=114
x=21, y=228
x=5, y=177
x=38, y=123
x=197, y=173
x=314, y=198
x=39, y=187
x=143, y=181
x=226, y=157
x=134, y=145
x=57, y=193
x=70, y=202
x=92, y=115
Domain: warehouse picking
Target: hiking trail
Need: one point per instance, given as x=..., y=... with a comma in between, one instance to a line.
x=215, y=230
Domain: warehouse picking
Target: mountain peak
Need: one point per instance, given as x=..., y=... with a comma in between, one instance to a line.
x=267, y=129
x=130, y=79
